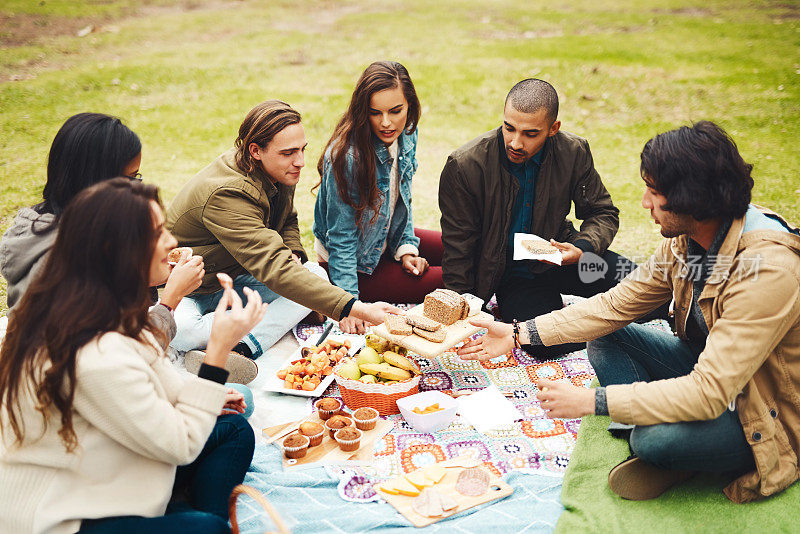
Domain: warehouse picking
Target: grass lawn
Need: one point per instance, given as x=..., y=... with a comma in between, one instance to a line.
x=183, y=74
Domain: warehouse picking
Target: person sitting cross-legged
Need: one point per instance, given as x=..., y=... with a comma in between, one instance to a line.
x=724, y=394
x=100, y=433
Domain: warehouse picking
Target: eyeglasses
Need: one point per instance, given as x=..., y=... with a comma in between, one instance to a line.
x=137, y=176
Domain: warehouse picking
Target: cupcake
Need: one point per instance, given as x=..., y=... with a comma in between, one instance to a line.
x=348, y=438
x=295, y=446
x=336, y=422
x=314, y=431
x=327, y=407
x=366, y=418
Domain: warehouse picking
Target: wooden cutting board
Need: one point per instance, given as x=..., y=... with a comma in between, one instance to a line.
x=456, y=333
x=328, y=451
x=498, y=489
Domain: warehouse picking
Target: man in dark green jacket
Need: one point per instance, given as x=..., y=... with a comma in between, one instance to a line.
x=238, y=213
x=522, y=178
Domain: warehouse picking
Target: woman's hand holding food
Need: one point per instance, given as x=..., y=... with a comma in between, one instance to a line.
x=498, y=340
x=186, y=276
x=415, y=265
x=232, y=322
x=234, y=402
x=353, y=325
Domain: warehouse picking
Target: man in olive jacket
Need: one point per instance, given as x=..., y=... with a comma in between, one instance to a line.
x=723, y=396
x=238, y=213
x=523, y=178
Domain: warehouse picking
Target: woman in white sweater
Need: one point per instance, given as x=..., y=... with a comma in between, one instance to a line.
x=95, y=420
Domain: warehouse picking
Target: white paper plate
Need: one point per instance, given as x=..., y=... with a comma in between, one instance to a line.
x=522, y=253
x=273, y=383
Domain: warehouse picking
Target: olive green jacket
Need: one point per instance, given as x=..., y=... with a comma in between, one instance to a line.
x=751, y=303
x=243, y=224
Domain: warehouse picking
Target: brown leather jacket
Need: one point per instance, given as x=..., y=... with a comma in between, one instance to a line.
x=242, y=224
x=476, y=198
x=751, y=303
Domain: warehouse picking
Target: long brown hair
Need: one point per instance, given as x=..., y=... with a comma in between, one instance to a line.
x=261, y=124
x=353, y=130
x=94, y=280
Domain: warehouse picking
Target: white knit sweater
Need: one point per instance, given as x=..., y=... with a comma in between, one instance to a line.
x=136, y=419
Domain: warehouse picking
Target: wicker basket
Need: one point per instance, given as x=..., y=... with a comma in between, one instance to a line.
x=382, y=397
x=260, y=499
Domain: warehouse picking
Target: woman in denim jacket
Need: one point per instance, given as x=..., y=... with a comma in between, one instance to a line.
x=365, y=236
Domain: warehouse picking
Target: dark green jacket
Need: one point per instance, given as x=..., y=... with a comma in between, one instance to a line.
x=243, y=224
x=476, y=198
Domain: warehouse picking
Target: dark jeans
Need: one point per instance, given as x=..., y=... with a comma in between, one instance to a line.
x=206, y=483
x=642, y=354
x=526, y=298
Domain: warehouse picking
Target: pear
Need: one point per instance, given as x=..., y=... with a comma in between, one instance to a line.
x=377, y=343
x=368, y=379
x=368, y=355
x=349, y=369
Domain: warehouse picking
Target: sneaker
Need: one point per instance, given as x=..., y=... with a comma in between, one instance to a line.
x=242, y=370
x=636, y=480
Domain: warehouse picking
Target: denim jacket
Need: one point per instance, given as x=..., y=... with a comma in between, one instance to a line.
x=356, y=248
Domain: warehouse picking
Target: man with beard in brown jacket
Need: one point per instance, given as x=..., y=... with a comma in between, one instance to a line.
x=721, y=396
x=524, y=177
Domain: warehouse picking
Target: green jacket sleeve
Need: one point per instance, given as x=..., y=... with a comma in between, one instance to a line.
x=237, y=221
x=291, y=235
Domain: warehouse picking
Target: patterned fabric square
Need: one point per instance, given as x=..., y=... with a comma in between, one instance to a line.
x=522, y=357
x=507, y=448
x=405, y=441
x=426, y=365
x=418, y=456
x=583, y=380
x=542, y=428
x=385, y=446
x=477, y=449
x=435, y=380
x=470, y=379
x=550, y=370
x=576, y=367
x=507, y=378
x=450, y=361
x=507, y=360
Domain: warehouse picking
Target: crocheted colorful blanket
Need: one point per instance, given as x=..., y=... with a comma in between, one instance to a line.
x=536, y=443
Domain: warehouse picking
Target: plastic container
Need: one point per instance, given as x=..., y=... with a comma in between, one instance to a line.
x=429, y=422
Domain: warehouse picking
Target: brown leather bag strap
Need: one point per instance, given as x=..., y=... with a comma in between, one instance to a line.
x=260, y=499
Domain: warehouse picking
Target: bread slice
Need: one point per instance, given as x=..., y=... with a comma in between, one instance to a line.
x=425, y=323
x=396, y=324
x=437, y=336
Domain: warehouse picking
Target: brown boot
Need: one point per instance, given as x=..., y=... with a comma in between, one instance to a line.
x=636, y=480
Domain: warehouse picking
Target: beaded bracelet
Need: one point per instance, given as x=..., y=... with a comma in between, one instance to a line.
x=516, y=334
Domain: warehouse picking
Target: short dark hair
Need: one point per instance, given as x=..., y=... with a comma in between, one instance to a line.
x=88, y=148
x=531, y=95
x=699, y=170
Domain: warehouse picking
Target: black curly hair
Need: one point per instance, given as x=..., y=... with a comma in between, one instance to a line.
x=699, y=170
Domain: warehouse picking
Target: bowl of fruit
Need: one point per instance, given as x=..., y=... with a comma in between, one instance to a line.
x=377, y=376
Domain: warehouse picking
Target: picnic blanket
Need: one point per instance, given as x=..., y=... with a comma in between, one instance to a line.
x=536, y=443
x=308, y=501
x=696, y=506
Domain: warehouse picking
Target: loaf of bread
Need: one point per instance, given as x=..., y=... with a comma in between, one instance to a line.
x=445, y=306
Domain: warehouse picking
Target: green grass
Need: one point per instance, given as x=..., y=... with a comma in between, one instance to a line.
x=184, y=74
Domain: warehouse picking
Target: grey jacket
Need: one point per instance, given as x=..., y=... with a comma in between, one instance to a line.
x=22, y=254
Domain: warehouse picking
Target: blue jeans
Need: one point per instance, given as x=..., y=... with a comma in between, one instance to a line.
x=639, y=353
x=207, y=483
x=195, y=314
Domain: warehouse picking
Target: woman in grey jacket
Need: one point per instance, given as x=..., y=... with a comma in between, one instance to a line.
x=89, y=148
